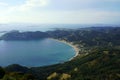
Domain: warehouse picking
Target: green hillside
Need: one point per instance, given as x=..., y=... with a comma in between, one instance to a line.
x=100, y=64
x=98, y=59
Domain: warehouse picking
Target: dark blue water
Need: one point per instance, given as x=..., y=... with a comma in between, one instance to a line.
x=34, y=53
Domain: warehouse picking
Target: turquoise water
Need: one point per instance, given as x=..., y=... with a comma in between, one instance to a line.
x=34, y=53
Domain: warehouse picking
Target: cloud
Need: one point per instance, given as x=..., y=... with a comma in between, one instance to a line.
x=55, y=12
x=3, y=4
x=67, y=17
x=86, y=17
x=29, y=5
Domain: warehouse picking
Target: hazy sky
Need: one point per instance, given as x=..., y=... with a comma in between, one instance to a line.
x=60, y=11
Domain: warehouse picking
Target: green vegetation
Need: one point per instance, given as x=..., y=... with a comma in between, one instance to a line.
x=2, y=72
x=98, y=59
x=18, y=76
x=16, y=35
x=100, y=64
x=90, y=37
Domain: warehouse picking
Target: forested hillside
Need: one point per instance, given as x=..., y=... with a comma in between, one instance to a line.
x=98, y=59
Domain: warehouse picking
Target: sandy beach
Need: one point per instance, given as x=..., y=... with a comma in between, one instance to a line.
x=70, y=44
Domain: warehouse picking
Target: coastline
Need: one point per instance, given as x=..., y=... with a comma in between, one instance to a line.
x=75, y=47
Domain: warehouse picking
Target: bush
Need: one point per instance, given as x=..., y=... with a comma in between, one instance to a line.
x=2, y=72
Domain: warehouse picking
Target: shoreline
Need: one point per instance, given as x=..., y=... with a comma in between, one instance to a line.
x=70, y=44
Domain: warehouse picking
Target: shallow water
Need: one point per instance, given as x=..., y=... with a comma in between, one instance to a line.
x=34, y=53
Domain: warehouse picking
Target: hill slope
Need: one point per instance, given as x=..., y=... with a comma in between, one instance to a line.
x=102, y=62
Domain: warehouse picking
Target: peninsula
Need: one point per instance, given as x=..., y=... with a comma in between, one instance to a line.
x=98, y=54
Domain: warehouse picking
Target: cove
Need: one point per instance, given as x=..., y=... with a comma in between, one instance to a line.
x=35, y=52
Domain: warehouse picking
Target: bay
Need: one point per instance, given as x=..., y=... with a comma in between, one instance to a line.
x=34, y=53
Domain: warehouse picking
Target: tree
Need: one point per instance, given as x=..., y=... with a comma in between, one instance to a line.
x=2, y=72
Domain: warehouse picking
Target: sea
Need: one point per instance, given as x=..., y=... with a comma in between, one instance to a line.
x=35, y=52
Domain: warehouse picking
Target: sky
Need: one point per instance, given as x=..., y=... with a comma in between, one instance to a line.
x=60, y=11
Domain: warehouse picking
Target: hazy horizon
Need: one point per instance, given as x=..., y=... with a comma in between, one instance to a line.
x=47, y=27
x=42, y=15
